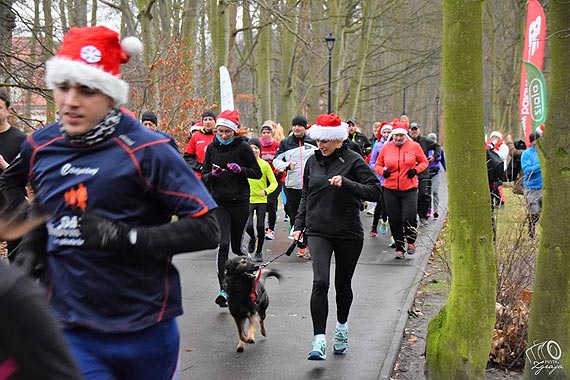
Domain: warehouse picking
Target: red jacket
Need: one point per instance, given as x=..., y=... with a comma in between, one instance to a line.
x=268, y=154
x=198, y=144
x=398, y=160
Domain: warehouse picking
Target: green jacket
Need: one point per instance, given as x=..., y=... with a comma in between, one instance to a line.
x=267, y=182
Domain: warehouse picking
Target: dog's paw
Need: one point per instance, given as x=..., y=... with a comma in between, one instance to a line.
x=250, y=341
x=239, y=349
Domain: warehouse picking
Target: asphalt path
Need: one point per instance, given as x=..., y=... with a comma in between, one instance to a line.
x=384, y=288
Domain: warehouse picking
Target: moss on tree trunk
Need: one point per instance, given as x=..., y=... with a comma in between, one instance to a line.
x=550, y=307
x=459, y=337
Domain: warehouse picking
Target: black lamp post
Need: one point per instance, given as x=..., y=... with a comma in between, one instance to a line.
x=437, y=116
x=330, y=45
x=404, y=101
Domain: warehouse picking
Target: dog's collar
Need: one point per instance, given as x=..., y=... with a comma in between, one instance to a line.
x=253, y=294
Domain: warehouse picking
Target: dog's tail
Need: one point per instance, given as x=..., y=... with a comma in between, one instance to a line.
x=271, y=273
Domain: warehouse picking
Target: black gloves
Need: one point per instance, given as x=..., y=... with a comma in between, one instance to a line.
x=386, y=173
x=31, y=255
x=412, y=173
x=188, y=234
x=102, y=233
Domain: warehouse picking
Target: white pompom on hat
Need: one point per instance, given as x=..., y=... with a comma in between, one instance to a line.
x=229, y=118
x=328, y=127
x=92, y=56
x=497, y=134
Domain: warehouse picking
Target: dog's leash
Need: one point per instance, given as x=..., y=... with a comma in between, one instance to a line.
x=288, y=252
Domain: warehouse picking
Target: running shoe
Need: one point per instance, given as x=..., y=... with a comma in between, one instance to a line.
x=269, y=234
x=318, y=352
x=373, y=231
x=259, y=257
x=429, y=212
x=436, y=215
x=340, y=345
x=411, y=249
x=392, y=243
x=399, y=255
x=303, y=252
x=222, y=299
x=384, y=228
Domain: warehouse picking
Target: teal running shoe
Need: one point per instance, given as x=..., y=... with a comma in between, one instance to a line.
x=318, y=352
x=340, y=345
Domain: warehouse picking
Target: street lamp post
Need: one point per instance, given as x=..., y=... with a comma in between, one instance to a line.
x=330, y=45
x=404, y=101
x=437, y=116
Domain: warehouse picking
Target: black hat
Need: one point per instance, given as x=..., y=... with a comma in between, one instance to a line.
x=255, y=141
x=533, y=136
x=299, y=120
x=263, y=128
x=351, y=120
x=209, y=113
x=149, y=116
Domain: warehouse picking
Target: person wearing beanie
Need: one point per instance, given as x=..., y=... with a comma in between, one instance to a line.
x=269, y=148
x=291, y=158
x=399, y=162
x=424, y=191
x=149, y=120
x=358, y=137
x=435, y=168
x=199, y=141
x=497, y=144
x=96, y=245
x=336, y=180
x=532, y=183
x=228, y=164
x=260, y=189
x=380, y=211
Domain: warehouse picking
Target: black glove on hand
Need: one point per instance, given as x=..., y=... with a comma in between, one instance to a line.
x=102, y=233
x=386, y=173
x=31, y=256
x=412, y=173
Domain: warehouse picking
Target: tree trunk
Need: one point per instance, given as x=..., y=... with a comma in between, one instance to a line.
x=263, y=66
x=79, y=12
x=550, y=307
x=288, y=63
x=6, y=27
x=459, y=337
x=49, y=50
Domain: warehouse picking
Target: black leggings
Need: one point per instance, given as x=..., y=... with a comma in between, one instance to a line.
x=272, y=203
x=346, y=254
x=402, y=210
x=380, y=210
x=259, y=209
x=292, y=205
x=231, y=219
x=424, y=196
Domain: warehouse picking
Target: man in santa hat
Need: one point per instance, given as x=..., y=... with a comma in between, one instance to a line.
x=110, y=188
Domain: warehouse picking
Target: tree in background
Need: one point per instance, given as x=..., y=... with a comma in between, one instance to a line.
x=549, y=332
x=459, y=336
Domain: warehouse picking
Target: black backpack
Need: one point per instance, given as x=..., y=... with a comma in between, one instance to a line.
x=495, y=168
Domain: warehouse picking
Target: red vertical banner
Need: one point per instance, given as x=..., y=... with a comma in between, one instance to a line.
x=533, y=52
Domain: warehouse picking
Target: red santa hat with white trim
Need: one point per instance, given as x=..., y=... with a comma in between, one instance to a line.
x=91, y=56
x=328, y=127
x=229, y=118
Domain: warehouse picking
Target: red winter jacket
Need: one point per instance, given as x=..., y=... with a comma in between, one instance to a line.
x=398, y=160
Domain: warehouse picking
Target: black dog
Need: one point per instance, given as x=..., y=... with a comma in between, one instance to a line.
x=247, y=298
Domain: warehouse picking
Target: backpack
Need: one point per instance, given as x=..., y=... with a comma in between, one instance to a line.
x=495, y=168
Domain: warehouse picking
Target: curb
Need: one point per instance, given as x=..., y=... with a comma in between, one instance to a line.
x=426, y=241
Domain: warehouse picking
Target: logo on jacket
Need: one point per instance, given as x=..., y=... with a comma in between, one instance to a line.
x=76, y=197
x=68, y=169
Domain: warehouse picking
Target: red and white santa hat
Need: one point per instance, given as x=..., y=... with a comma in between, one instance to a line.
x=328, y=127
x=496, y=134
x=91, y=56
x=399, y=126
x=229, y=118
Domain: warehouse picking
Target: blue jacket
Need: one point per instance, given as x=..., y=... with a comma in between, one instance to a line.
x=531, y=169
x=134, y=177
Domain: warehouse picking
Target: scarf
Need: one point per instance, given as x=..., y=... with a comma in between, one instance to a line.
x=224, y=142
x=267, y=143
x=100, y=132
